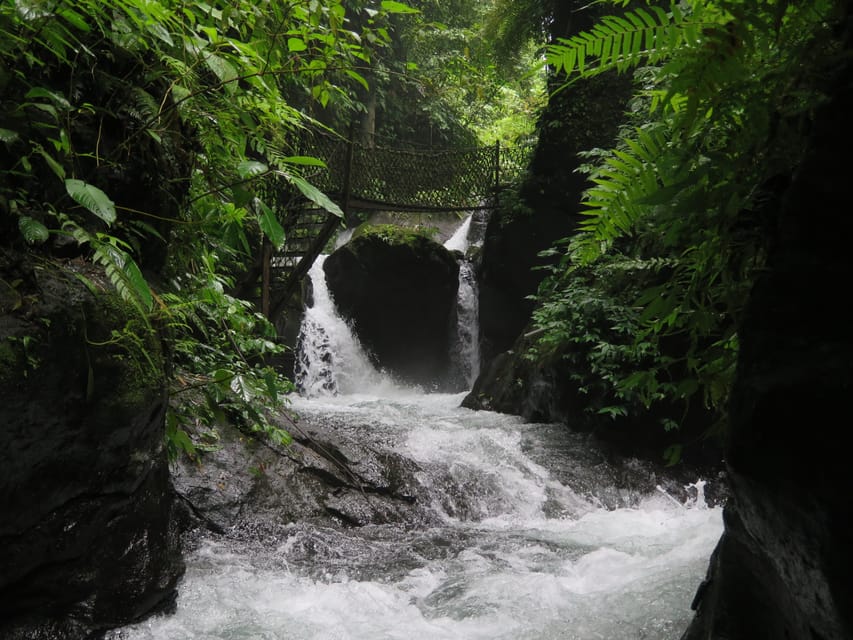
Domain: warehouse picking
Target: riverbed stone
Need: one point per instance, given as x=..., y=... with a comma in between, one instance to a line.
x=398, y=289
x=88, y=527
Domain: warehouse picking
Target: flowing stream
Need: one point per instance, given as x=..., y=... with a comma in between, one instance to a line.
x=526, y=533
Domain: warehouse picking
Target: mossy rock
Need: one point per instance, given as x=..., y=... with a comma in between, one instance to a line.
x=89, y=538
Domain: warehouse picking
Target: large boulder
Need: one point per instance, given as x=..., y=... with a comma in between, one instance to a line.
x=398, y=288
x=783, y=566
x=87, y=534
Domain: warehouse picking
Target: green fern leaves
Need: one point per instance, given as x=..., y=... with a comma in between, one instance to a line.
x=621, y=42
x=123, y=272
x=623, y=183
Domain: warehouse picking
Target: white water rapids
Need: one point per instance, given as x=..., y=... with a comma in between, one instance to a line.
x=528, y=539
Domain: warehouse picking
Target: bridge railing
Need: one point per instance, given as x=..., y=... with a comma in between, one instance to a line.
x=447, y=179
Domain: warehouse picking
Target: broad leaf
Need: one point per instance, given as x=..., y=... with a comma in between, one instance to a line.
x=270, y=225
x=316, y=196
x=92, y=198
x=251, y=168
x=7, y=135
x=305, y=160
x=397, y=7
x=295, y=45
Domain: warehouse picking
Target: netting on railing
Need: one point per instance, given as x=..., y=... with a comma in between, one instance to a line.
x=431, y=179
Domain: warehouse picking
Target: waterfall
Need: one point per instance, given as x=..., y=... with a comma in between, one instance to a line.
x=330, y=359
x=466, y=352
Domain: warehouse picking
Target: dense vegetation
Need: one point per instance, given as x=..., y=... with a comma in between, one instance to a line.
x=163, y=141
x=155, y=138
x=647, y=297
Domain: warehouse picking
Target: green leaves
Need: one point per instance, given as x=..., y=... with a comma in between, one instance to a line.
x=251, y=168
x=34, y=232
x=270, y=225
x=397, y=7
x=123, y=272
x=681, y=198
x=621, y=42
x=91, y=197
x=315, y=195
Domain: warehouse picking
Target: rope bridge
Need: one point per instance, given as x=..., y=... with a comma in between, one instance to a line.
x=363, y=178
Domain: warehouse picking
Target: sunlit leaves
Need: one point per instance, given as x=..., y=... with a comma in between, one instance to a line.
x=397, y=7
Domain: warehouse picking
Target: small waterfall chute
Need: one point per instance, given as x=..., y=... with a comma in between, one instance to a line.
x=330, y=358
x=466, y=352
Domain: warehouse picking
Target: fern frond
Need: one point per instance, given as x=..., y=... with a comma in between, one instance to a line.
x=641, y=36
x=143, y=106
x=123, y=272
x=624, y=180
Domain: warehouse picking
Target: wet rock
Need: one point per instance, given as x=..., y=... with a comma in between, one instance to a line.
x=246, y=484
x=398, y=289
x=542, y=390
x=510, y=270
x=782, y=567
x=88, y=537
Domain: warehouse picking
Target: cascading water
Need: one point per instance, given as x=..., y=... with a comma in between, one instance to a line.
x=523, y=532
x=330, y=357
x=466, y=354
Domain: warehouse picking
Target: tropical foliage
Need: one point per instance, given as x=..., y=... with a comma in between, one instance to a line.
x=440, y=83
x=724, y=93
x=157, y=138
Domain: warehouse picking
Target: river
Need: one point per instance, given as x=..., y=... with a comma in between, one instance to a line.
x=527, y=534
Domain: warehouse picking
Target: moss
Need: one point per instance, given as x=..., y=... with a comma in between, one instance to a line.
x=119, y=340
x=394, y=234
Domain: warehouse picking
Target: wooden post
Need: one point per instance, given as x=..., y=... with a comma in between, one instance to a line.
x=497, y=164
x=266, y=277
x=346, y=188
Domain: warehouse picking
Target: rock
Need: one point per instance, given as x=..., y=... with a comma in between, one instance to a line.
x=398, y=289
x=782, y=566
x=508, y=272
x=323, y=477
x=88, y=539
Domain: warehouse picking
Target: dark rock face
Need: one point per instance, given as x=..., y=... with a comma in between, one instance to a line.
x=400, y=295
x=507, y=273
x=87, y=534
x=782, y=567
x=585, y=116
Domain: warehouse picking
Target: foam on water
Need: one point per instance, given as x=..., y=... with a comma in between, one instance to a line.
x=507, y=572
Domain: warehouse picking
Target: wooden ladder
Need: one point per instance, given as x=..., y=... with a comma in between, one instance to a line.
x=307, y=233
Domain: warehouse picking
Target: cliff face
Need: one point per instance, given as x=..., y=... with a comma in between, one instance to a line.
x=782, y=567
x=87, y=534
